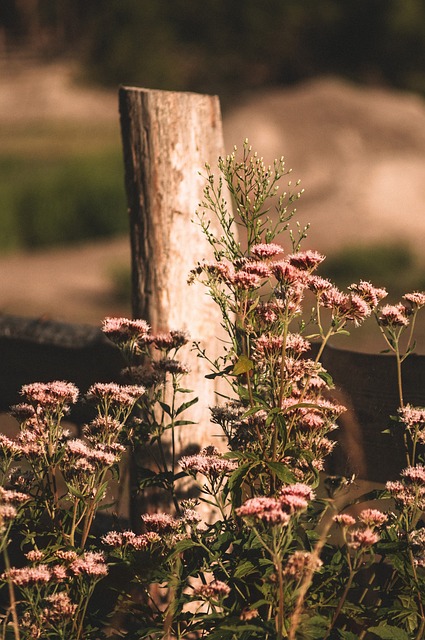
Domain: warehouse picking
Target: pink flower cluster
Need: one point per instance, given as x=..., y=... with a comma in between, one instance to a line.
x=124, y=395
x=215, y=589
x=128, y=539
x=301, y=562
x=292, y=499
x=90, y=563
x=209, y=462
x=48, y=394
x=126, y=333
x=409, y=492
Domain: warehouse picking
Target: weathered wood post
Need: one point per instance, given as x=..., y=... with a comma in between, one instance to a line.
x=167, y=139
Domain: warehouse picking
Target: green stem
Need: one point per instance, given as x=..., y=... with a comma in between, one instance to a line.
x=341, y=603
x=11, y=595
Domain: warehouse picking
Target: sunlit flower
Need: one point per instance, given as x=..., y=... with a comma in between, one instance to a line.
x=370, y=294
x=125, y=395
x=264, y=251
x=416, y=299
x=305, y=260
x=209, y=462
x=373, y=517
x=268, y=510
x=393, y=316
x=344, y=520
x=363, y=538
x=51, y=393
x=124, y=330
x=246, y=280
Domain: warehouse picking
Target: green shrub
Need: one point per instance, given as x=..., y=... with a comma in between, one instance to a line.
x=389, y=264
x=61, y=200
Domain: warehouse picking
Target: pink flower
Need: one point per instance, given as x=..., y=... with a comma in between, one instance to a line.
x=416, y=299
x=332, y=298
x=286, y=274
x=264, y=509
x=356, y=309
x=318, y=285
x=306, y=260
x=28, y=575
x=123, y=330
x=51, y=393
x=414, y=475
x=412, y=416
x=264, y=251
x=91, y=563
x=8, y=495
x=246, y=280
x=125, y=395
x=300, y=562
x=35, y=555
x=259, y=269
x=393, y=316
x=7, y=512
x=363, y=538
x=209, y=462
x=344, y=519
x=215, y=589
x=60, y=607
x=370, y=294
x=160, y=522
x=373, y=517
x=296, y=343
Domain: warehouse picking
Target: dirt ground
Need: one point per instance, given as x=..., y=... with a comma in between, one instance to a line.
x=359, y=152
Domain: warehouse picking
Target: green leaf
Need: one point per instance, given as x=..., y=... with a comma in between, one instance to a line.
x=219, y=374
x=245, y=569
x=389, y=632
x=186, y=405
x=165, y=407
x=243, y=365
x=237, y=479
x=183, y=545
x=281, y=471
x=348, y=635
x=326, y=377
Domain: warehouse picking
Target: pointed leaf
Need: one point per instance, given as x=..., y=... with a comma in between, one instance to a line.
x=389, y=632
x=243, y=365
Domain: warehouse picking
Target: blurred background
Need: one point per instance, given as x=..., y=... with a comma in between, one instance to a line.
x=336, y=87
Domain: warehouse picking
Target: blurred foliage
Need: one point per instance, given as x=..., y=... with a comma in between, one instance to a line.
x=390, y=265
x=61, y=200
x=226, y=47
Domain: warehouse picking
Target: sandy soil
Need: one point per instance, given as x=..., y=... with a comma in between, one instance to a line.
x=360, y=154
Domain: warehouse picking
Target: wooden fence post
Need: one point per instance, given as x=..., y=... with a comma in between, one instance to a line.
x=167, y=139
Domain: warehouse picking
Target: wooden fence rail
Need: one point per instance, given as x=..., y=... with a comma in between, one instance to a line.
x=39, y=350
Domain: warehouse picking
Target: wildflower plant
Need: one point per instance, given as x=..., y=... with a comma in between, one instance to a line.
x=279, y=559
x=284, y=553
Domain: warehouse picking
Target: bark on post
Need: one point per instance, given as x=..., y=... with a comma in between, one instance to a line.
x=167, y=139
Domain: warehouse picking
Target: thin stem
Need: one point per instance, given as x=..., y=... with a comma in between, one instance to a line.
x=341, y=603
x=11, y=595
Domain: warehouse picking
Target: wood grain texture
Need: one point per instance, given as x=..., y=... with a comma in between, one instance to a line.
x=168, y=137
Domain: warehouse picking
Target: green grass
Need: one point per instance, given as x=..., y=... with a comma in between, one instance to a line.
x=391, y=265
x=59, y=185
